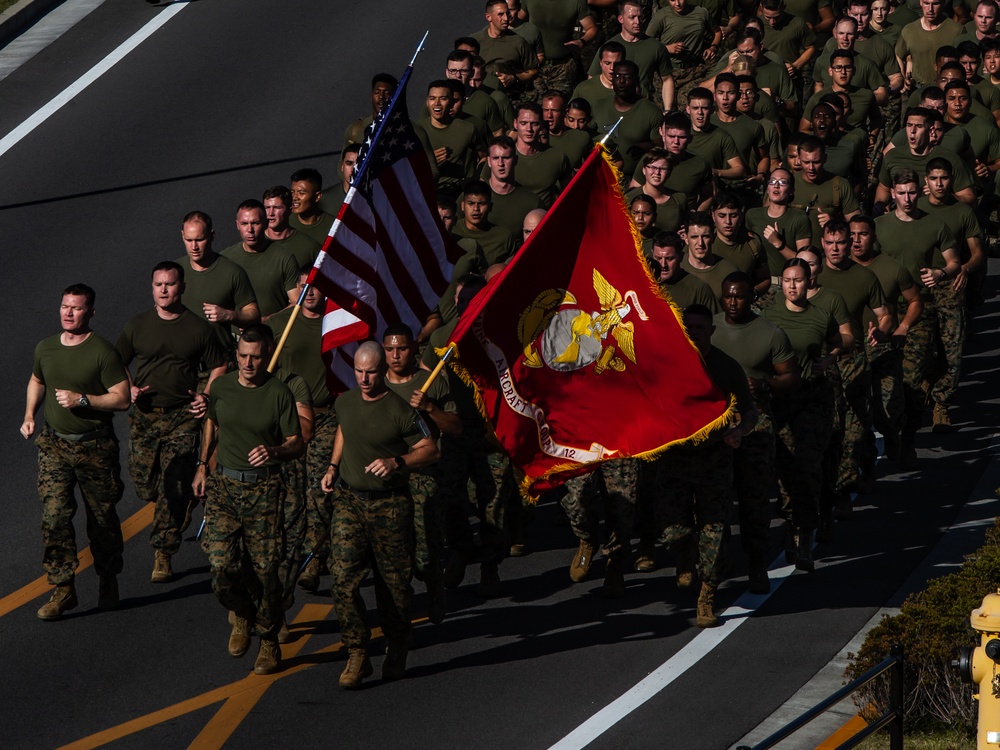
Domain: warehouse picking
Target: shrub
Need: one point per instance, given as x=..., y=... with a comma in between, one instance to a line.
x=930, y=626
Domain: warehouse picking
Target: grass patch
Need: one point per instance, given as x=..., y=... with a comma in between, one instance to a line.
x=945, y=739
x=4, y=4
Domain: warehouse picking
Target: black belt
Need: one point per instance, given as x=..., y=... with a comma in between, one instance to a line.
x=82, y=437
x=248, y=476
x=373, y=494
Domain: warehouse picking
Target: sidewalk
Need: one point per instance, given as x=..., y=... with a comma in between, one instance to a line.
x=21, y=15
x=961, y=538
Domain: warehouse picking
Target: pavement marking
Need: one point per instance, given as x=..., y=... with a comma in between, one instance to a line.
x=221, y=727
x=243, y=693
x=676, y=665
x=70, y=92
x=53, y=25
x=132, y=526
x=850, y=728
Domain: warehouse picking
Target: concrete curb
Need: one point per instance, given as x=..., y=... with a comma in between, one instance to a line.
x=21, y=15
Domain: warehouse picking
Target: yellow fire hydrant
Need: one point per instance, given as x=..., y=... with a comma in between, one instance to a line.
x=981, y=667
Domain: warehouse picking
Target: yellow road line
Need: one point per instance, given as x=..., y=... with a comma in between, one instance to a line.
x=853, y=725
x=132, y=526
x=218, y=731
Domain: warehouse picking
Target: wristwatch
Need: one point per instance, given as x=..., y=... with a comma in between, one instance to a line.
x=400, y=463
x=84, y=401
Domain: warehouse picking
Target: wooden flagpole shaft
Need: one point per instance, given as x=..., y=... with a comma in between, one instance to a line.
x=284, y=334
x=437, y=370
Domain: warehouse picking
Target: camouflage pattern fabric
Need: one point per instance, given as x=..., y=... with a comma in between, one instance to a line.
x=949, y=307
x=694, y=493
x=162, y=452
x=428, y=527
x=857, y=441
x=803, y=423
x=560, y=75
x=293, y=525
x=243, y=521
x=753, y=473
x=472, y=456
x=93, y=466
x=918, y=357
x=371, y=535
x=319, y=503
x=886, y=364
x=614, y=485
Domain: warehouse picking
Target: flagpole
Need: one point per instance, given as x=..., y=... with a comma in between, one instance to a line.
x=437, y=369
x=613, y=129
x=355, y=179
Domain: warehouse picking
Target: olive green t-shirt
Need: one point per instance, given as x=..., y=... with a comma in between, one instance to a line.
x=593, y=91
x=820, y=196
x=439, y=393
x=688, y=177
x=248, y=417
x=714, y=145
x=383, y=428
x=690, y=290
x=641, y=124
x=332, y=199
x=831, y=301
x=747, y=134
x=959, y=218
x=693, y=27
x=747, y=253
x=545, y=174
x=575, y=144
x=296, y=385
x=509, y=47
x=807, y=10
x=771, y=76
x=167, y=354
x=462, y=142
x=497, y=242
x=860, y=289
x=273, y=272
x=481, y=105
x=757, y=345
x=508, y=211
x=789, y=38
x=317, y=231
x=301, y=247
x=556, y=20
x=223, y=283
x=894, y=280
x=711, y=276
x=808, y=332
x=92, y=367
x=922, y=46
x=916, y=244
x=301, y=353
x=472, y=262
x=793, y=225
x=863, y=104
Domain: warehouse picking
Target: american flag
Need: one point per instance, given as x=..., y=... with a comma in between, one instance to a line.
x=387, y=258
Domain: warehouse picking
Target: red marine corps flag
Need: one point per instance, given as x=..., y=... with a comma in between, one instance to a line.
x=576, y=354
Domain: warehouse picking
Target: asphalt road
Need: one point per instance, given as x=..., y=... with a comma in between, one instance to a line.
x=228, y=98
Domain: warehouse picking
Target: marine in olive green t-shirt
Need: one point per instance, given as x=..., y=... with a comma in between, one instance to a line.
x=273, y=272
x=301, y=353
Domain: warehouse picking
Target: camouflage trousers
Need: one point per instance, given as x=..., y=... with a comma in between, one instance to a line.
x=473, y=457
x=803, y=422
x=319, y=503
x=371, y=535
x=615, y=483
x=91, y=465
x=162, y=452
x=293, y=526
x=646, y=524
x=857, y=443
x=694, y=491
x=557, y=75
x=243, y=530
x=886, y=366
x=918, y=358
x=687, y=79
x=428, y=528
x=831, y=459
x=753, y=473
x=949, y=307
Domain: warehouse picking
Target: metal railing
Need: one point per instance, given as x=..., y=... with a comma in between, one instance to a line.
x=893, y=718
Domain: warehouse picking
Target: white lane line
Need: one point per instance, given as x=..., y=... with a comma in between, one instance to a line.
x=683, y=660
x=677, y=665
x=67, y=95
x=56, y=22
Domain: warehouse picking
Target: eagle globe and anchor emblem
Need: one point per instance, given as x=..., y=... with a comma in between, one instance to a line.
x=572, y=338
